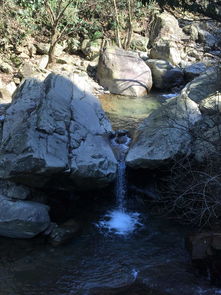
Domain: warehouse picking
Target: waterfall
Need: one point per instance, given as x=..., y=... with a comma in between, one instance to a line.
x=119, y=221
x=120, y=186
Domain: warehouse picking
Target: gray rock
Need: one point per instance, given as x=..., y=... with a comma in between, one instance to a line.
x=207, y=38
x=139, y=42
x=166, y=27
x=56, y=127
x=123, y=72
x=193, y=31
x=204, y=85
x=211, y=105
x=166, y=50
x=6, y=68
x=42, y=48
x=13, y=191
x=43, y=62
x=62, y=234
x=165, y=38
x=206, y=134
x=194, y=71
x=27, y=70
x=91, y=49
x=5, y=96
x=165, y=76
x=22, y=219
x=164, y=135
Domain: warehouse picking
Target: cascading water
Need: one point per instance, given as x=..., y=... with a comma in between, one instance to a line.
x=120, y=221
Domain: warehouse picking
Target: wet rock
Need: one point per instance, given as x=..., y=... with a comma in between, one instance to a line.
x=64, y=233
x=56, y=127
x=124, y=73
x=22, y=219
x=164, y=135
x=194, y=71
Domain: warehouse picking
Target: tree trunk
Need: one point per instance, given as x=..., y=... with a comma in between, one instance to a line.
x=118, y=37
x=54, y=40
x=130, y=25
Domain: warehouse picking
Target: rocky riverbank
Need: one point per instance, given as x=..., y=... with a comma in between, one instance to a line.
x=55, y=134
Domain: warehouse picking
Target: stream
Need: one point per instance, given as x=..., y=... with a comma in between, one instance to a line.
x=118, y=245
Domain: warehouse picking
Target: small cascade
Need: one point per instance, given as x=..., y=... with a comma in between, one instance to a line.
x=120, y=187
x=119, y=221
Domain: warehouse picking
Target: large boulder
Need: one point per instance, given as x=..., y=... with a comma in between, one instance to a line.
x=123, y=72
x=22, y=219
x=207, y=132
x=165, y=38
x=165, y=76
x=164, y=135
x=166, y=50
x=187, y=124
x=204, y=85
x=53, y=128
x=165, y=26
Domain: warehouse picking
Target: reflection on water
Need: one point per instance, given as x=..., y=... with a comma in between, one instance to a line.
x=126, y=112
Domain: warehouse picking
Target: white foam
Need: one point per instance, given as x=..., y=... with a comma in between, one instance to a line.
x=135, y=273
x=120, y=222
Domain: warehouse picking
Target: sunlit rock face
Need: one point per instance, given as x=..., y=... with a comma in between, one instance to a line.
x=188, y=124
x=123, y=72
x=54, y=128
x=204, y=85
x=164, y=135
x=165, y=38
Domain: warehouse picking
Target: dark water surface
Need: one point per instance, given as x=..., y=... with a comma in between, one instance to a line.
x=155, y=255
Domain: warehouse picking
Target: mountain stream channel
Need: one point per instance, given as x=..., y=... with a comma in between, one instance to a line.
x=122, y=249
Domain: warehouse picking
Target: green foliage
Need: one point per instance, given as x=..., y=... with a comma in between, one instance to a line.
x=31, y=4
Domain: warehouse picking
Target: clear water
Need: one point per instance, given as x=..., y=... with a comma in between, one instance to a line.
x=127, y=112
